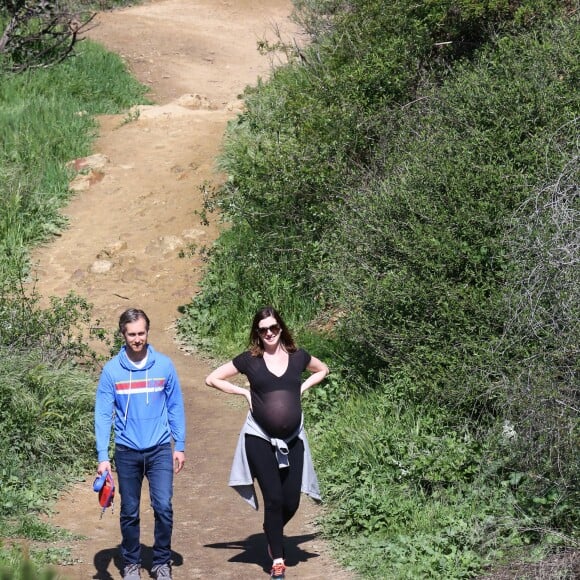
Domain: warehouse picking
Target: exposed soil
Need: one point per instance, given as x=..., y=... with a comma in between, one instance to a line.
x=133, y=215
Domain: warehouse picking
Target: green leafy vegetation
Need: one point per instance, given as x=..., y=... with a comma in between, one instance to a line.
x=405, y=191
x=41, y=132
x=46, y=367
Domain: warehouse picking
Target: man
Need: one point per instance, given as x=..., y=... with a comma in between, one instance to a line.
x=139, y=388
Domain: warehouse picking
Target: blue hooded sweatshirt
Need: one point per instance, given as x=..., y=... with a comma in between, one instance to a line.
x=146, y=404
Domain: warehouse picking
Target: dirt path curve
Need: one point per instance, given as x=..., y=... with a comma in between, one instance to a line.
x=128, y=224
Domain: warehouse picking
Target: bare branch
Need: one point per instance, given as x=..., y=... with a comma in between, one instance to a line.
x=39, y=34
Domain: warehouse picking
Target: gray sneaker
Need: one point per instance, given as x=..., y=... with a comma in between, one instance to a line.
x=132, y=571
x=163, y=571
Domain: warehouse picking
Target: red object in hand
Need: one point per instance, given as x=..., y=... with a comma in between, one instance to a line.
x=105, y=486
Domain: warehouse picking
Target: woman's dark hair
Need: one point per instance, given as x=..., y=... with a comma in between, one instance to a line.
x=255, y=342
x=132, y=315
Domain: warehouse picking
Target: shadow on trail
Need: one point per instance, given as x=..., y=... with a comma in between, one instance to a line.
x=103, y=559
x=252, y=550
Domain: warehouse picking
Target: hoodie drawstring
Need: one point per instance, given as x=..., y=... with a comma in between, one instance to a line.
x=129, y=395
x=131, y=387
x=147, y=384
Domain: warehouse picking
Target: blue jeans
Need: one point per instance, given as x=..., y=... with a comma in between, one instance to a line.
x=157, y=465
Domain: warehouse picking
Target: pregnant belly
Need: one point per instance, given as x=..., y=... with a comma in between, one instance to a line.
x=279, y=416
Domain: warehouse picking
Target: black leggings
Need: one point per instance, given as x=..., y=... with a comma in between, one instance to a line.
x=280, y=487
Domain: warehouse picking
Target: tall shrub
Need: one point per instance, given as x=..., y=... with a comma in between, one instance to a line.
x=312, y=129
x=419, y=260
x=538, y=391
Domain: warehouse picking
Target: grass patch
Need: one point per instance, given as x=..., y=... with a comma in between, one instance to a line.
x=47, y=118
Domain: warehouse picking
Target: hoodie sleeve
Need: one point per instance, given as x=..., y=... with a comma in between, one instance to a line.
x=175, y=409
x=104, y=405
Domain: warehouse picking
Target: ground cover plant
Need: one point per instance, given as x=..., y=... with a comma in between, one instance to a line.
x=406, y=192
x=46, y=368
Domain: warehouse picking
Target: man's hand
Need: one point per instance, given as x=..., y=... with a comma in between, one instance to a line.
x=104, y=466
x=178, y=460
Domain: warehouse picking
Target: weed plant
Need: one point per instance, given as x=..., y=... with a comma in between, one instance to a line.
x=15, y=566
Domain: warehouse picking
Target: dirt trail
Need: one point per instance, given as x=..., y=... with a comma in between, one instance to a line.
x=133, y=215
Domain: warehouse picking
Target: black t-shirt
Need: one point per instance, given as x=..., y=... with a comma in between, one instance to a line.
x=276, y=402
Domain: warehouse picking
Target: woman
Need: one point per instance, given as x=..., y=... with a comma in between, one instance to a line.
x=272, y=447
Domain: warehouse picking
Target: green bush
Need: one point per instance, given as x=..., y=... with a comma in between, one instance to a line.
x=225, y=332
x=308, y=134
x=17, y=563
x=43, y=412
x=46, y=398
x=379, y=176
x=419, y=262
x=408, y=493
x=455, y=286
x=537, y=389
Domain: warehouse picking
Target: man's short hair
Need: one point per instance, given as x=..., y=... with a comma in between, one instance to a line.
x=132, y=315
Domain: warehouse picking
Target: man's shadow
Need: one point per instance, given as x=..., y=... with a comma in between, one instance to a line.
x=103, y=559
x=253, y=550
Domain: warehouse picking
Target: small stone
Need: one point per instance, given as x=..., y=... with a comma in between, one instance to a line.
x=101, y=266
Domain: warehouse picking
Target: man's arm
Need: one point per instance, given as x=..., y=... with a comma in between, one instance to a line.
x=104, y=407
x=176, y=418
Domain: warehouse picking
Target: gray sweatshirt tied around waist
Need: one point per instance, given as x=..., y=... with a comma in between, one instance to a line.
x=241, y=476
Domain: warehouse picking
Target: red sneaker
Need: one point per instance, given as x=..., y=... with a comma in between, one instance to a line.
x=278, y=571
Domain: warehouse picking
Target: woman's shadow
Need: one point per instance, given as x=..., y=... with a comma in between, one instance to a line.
x=103, y=559
x=253, y=550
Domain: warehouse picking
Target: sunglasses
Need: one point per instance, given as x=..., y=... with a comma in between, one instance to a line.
x=274, y=329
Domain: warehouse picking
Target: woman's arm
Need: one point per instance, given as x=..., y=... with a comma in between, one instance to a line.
x=319, y=371
x=218, y=380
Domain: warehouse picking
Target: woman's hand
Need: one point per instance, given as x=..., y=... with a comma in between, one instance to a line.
x=218, y=379
x=319, y=371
